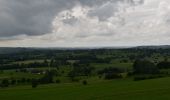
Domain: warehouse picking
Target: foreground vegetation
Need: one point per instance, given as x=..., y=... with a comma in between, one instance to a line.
x=155, y=89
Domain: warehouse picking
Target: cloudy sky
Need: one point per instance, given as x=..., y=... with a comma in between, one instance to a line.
x=84, y=23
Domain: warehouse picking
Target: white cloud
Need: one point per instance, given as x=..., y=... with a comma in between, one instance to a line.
x=131, y=22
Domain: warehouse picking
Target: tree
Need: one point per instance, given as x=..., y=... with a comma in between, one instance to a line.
x=110, y=70
x=49, y=77
x=53, y=63
x=110, y=76
x=81, y=70
x=23, y=80
x=13, y=82
x=164, y=65
x=58, y=81
x=144, y=67
x=34, y=83
x=5, y=83
x=84, y=82
x=46, y=63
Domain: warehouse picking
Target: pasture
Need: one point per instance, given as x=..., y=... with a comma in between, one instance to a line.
x=154, y=89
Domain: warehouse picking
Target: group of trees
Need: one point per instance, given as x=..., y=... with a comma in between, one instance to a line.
x=80, y=70
x=164, y=65
x=144, y=67
x=7, y=82
x=47, y=78
x=148, y=67
x=45, y=63
x=110, y=73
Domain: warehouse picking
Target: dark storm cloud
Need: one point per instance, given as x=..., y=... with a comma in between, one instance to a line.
x=29, y=17
x=34, y=17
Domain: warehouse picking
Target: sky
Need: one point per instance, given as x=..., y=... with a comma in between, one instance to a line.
x=84, y=23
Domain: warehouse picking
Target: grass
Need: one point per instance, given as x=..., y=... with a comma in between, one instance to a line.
x=29, y=61
x=13, y=74
x=127, y=66
x=155, y=89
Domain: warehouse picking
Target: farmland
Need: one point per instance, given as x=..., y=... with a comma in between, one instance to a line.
x=155, y=89
x=86, y=74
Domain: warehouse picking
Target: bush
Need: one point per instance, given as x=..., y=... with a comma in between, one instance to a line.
x=18, y=81
x=57, y=81
x=100, y=76
x=28, y=80
x=84, y=82
x=5, y=83
x=109, y=76
x=163, y=65
x=23, y=80
x=75, y=79
x=13, y=82
x=138, y=78
x=109, y=71
x=48, y=77
x=34, y=83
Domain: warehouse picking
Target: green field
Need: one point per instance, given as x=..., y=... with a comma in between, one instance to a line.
x=99, y=74
x=155, y=89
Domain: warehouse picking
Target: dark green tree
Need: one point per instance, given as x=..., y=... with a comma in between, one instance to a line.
x=144, y=67
x=34, y=83
x=5, y=83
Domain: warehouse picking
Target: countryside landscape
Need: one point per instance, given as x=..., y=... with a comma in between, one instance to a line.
x=101, y=74
x=84, y=49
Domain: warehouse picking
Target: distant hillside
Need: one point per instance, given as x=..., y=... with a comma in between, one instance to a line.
x=8, y=50
x=154, y=47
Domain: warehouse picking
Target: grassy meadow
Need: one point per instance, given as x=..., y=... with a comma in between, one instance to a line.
x=154, y=89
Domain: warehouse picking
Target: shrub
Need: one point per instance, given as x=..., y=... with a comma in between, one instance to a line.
x=109, y=76
x=23, y=80
x=5, y=83
x=48, y=77
x=164, y=65
x=18, y=81
x=145, y=77
x=110, y=70
x=84, y=82
x=34, y=83
x=13, y=82
x=28, y=80
x=75, y=79
x=138, y=78
x=58, y=81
